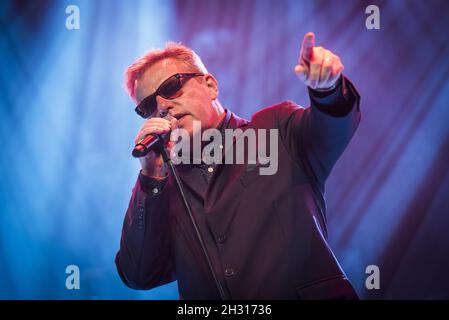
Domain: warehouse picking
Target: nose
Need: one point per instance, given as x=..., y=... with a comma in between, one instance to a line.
x=163, y=105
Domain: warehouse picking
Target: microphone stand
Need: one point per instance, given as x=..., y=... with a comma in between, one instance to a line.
x=178, y=183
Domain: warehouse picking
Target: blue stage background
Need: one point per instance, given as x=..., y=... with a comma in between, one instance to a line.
x=67, y=128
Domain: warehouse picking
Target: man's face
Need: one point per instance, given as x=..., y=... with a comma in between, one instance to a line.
x=194, y=101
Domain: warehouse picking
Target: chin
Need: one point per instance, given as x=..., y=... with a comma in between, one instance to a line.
x=191, y=125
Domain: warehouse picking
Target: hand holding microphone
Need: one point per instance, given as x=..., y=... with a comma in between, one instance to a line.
x=154, y=128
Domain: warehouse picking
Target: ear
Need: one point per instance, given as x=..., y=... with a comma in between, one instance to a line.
x=212, y=85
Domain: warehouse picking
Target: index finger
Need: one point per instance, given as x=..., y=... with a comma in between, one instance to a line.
x=307, y=46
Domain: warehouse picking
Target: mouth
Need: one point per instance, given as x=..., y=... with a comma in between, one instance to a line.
x=180, y=116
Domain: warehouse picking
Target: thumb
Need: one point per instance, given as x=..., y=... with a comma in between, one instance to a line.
x=173, y=123
x=302, y=71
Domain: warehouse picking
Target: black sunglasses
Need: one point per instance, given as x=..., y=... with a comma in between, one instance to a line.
x=167, y=90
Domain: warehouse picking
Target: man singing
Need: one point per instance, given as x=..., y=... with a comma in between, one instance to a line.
x=265, y=235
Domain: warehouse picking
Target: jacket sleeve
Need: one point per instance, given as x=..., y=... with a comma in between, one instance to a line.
x=318, y=135
x=144, y=260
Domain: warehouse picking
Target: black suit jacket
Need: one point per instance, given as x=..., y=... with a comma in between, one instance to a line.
x=266, y=234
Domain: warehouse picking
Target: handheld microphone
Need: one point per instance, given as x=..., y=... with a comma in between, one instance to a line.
x=149, y=143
